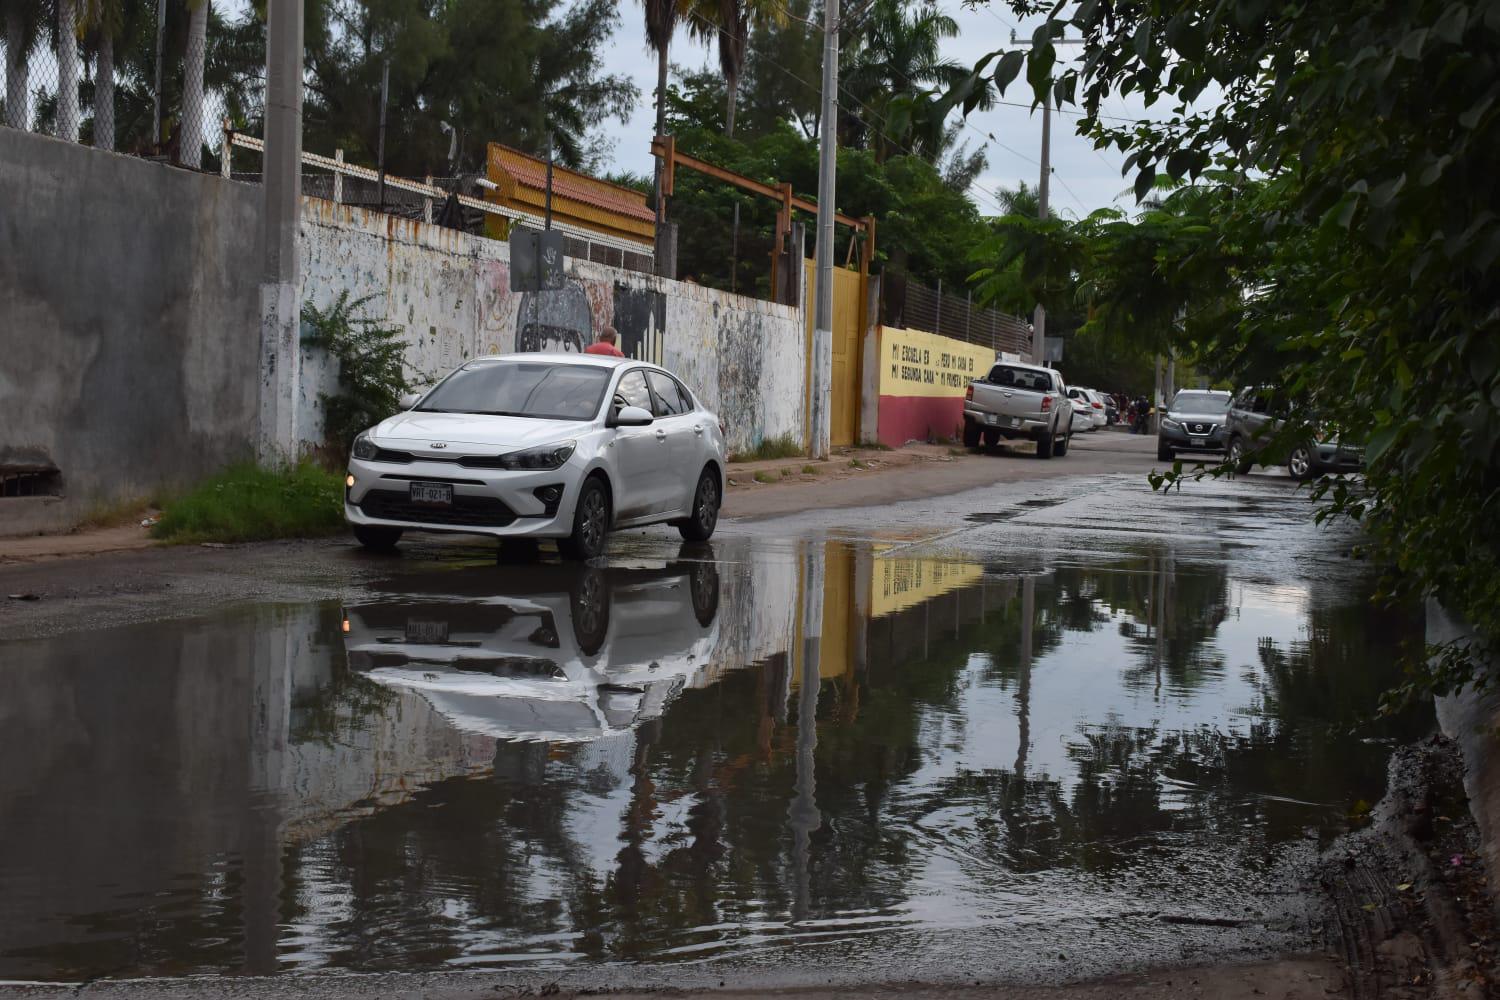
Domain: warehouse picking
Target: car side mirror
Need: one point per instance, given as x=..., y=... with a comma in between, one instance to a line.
x=410, y=399
x=631, y=416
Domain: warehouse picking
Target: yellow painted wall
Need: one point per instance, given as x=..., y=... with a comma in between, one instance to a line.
x=848, y=321
x=914, y=363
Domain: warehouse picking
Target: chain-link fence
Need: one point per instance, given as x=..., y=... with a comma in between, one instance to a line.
x=123, y=75
x=906, y=303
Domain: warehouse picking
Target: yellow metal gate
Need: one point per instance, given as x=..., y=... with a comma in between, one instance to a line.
x=848, y=321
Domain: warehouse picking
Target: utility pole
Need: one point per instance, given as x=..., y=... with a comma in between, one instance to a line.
x=385, y=89
x=1039, y=318
x=161, y=27
x=821, y=384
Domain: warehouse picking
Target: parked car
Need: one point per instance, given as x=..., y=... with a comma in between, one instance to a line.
x=564, y=446
x=1096, y=399
x=1091, y=405
x=1257, y=416
x=1017, y=400
x=1195, y=421
x=1083, y=413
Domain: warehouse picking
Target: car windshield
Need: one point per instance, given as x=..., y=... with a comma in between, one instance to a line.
x=1021, y=378
x=546, y=391
x=1200, y=402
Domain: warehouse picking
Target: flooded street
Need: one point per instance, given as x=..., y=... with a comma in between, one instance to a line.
x=1027, y=731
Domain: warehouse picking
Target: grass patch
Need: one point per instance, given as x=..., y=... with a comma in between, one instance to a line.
x=246, y=503
x=855, y=463
x=770, y=449
x=809, y=470
x=762, y=476
x=958, y=452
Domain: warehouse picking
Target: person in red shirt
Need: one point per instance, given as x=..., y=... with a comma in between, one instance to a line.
x=605, y=344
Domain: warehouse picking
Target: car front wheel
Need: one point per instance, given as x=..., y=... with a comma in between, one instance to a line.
x=1238, y=460
x=1164, y=452
x=699, y=527
x=1300, y=463
x=590, y=522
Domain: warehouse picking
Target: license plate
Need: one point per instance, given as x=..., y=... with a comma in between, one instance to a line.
x=424, y=631
x=433, y=493
x=990, y=418
x=1015, y=421
x=1196, y=442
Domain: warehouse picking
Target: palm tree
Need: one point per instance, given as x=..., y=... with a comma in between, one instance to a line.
x=190, y=142
x=23, y=23
x=661, y=25
x=67, y=70
x=103, y=22
x=727, y=24
x=895, y=67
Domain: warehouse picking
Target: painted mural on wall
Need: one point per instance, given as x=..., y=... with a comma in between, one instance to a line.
x=450, y=293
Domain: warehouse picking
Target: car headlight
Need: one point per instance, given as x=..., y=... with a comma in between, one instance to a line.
x=364, y=448
x=548, y=457
x=1169, y=423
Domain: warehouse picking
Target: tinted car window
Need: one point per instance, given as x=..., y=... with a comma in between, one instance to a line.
x=668, y=396
x=1021, y=378
x=521, y=389
x=632, y=390
x=1200, y=402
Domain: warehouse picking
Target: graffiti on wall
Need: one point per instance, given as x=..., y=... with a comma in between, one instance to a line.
x=569, y=318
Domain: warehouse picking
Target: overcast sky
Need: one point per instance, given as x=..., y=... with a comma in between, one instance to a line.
x=1083, y=178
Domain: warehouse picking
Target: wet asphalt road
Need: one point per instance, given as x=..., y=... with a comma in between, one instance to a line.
x=1027, y=732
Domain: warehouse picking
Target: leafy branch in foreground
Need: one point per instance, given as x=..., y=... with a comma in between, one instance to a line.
x=1350, y=205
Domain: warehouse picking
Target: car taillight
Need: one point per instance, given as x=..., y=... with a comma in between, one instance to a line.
x=1046, y=403
x=1098, y=406
x=969, y=392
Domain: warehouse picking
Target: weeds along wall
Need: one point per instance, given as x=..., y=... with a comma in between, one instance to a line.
x=450, y=295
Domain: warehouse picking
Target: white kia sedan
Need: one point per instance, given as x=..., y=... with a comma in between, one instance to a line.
x=564, y=446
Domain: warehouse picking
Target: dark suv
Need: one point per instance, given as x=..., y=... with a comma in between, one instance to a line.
x=1257, y=414
x=1194, y=422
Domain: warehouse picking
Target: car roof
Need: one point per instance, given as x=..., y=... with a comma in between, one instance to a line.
x=558, y=357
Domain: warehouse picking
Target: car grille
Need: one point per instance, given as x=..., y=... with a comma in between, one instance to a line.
x=483, y=512
x=1200, y=428
x=467, y=461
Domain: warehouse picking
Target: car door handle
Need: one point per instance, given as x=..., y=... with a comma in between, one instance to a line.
x=661, y=435
x=698, y=429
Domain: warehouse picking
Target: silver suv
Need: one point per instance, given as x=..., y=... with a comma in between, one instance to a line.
x=1256, y=416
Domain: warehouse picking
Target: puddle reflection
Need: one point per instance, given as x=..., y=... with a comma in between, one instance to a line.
x=706, y=756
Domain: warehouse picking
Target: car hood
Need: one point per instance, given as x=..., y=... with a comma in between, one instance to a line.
x=421, y=428
x=1198, y=418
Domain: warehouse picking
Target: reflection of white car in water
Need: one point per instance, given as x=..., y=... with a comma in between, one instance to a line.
x=544, y=653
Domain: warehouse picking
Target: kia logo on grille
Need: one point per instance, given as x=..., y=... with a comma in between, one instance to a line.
x=438, y=444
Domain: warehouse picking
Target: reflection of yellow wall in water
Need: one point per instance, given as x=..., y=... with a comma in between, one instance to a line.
x=897, y=584
x=835, y=657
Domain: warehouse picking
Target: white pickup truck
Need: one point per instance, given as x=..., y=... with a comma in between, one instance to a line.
x=1017, y=400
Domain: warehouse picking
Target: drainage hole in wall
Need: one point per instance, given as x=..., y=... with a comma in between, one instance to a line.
x=29, y=481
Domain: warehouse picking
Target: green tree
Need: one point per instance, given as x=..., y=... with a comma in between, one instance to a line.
x=1356, y=212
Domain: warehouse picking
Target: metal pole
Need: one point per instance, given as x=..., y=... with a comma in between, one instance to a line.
x=820, y=385
x=1039, y=318
x=734, y=249
x=547, y=219
x=385, y=90
x=161, y=27
x=937, y=324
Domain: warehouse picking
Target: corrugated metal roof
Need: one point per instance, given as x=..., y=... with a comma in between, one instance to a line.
x=531, y=172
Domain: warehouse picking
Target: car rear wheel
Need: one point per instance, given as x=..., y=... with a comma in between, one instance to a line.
x=991, y=438
x=377, y=538
x=1300, y=462
x=1064, y=444
x=971, y=434
x=1238, y=459
x=590, y=523
x=1044, y=444
x=699, y=527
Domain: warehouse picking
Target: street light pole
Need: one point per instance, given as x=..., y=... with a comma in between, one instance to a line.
x=821, y=384
x=1039, y=318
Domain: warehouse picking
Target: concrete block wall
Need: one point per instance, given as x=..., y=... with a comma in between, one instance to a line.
x=129, y=326
x=449, y=293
